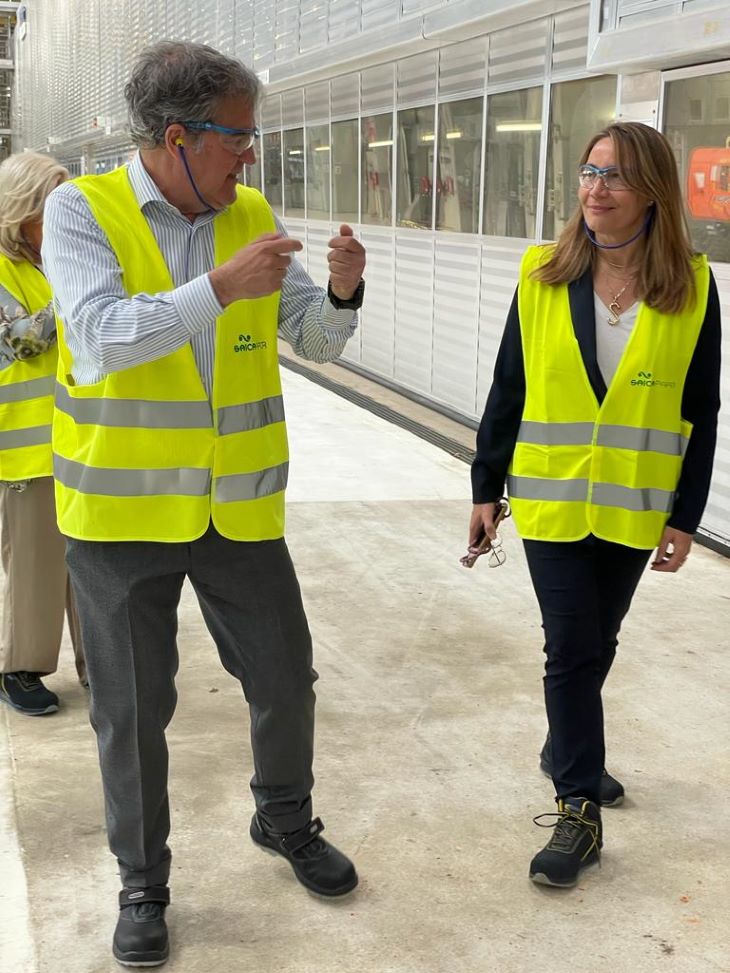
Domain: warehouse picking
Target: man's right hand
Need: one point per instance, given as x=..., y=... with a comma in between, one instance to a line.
x=482, y=522
x=254, y=271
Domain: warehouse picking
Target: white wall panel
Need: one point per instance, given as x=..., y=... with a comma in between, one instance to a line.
x=499, y=274
x=343, y=20
x=377, y=323
x=417, y=79
x=379, y=13
x=292, y=108
x=312, y=24
x=570, y=40
x=376, y=89
x=456, y=323
x=317, y=103
x=462, y=67
x=518, y=55
x=345, y=96
x=413, y=310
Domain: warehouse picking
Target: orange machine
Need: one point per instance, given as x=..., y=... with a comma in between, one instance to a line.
x=708, y=183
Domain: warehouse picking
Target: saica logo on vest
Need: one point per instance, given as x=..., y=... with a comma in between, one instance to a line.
x=246, y=344
x=645, y=379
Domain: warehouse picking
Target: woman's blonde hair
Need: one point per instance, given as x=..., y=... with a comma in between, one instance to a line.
x=26, y=180
x=647, y=165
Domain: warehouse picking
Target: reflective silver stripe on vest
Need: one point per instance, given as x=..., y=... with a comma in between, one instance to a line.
x=33, y=436
x=34, y=388
x=556, y=433
x=182, y=481
x=250, y=415
x=620, y=437
x=542, y=488
x=639, y=499
x=643, y=440
x=251, y=486
x=134, y=413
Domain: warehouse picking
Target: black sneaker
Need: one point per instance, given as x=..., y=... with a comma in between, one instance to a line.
x=575, y=844
x=140, y=938
x=25, y=692
x=317, y=864
x=611, y=792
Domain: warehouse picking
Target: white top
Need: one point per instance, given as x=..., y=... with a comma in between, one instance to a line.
x=611, y=338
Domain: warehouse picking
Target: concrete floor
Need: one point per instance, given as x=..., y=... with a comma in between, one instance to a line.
x=430, y=720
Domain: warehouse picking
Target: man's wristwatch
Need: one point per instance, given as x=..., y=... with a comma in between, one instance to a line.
x=352, y=304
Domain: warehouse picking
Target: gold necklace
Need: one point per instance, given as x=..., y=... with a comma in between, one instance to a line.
x=615, y=308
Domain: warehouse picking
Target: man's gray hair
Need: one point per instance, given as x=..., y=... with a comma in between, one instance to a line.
x=175, y=81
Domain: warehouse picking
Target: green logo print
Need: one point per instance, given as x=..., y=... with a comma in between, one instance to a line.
x=645, y=380
x=246, y=343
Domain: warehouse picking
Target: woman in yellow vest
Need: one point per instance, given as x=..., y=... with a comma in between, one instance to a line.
x=36, y=589
x=602, y=421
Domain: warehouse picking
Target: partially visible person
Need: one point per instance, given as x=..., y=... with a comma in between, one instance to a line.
x=602, y=419
x=36, y=589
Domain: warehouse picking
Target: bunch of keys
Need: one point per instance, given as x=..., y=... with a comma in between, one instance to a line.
x=484, y=545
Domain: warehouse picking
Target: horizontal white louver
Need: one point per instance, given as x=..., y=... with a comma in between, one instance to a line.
x=462, y=67
x=376, y=89
x=411, y=7
x=570, y=40
x=456, y=324
x=413, y=310
x=312, y=24
x=377, y=316
x=345, y=94
x=317, y=103
x=286, y=33
x=518, y=54
x=417, y=79
x=292, y=108
x=343, y=20
x=379, y=13
x=500, y=270
x=271, y=112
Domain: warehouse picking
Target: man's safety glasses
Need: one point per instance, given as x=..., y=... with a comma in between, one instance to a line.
x=611, y=177
x=236, y=140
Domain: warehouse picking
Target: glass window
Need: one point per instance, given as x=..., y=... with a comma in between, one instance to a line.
x=294, y=173
x=578, y=109
x=272, y=170
x=252, y=174
x=416, y=145
x=701, y=142
x=459, y=165
x=318, y=172
x=377, y=170
x=514, y=128
x=344, y=171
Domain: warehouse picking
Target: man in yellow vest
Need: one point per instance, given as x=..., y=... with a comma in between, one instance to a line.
x=172, y=283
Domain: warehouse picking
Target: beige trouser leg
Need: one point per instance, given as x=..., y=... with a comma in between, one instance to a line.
x=37, y=589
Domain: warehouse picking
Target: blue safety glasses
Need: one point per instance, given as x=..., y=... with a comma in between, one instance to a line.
x=236, y=140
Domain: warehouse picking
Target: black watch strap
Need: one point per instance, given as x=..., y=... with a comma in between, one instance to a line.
x=352, y=304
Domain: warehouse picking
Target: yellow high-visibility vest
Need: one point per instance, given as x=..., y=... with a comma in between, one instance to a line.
x=144, y=454
x=26, y=387
x=609, y=470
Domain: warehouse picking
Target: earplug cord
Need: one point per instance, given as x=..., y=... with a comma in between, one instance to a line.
x=181, y=149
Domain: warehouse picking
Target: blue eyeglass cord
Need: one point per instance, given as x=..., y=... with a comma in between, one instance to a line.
x=617, y=246
x=197, y=192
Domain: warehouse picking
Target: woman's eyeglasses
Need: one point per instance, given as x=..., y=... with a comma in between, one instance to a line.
x=610, y=176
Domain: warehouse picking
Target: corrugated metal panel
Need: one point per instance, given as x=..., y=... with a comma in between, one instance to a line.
x=312, y=24
x=570, y=40
x=317, y=102
x=271, y=112
x=411, y=7
x=343, y=20
x=499, y=274
x=417, y=79
x=263, y=33
x=456, y=324
x=377, y=316
x=413, y=311
x=292, y=108
x=376, y=91
x=286, y=35
x=518, y=54
x=463, y=67
x=345, y=94
x=379, y=13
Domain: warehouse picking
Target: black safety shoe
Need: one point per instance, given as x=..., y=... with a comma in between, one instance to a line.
x=140, y=938
x=25, y=692
x=576, y=843
x=317, y=864
x=611, y=791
